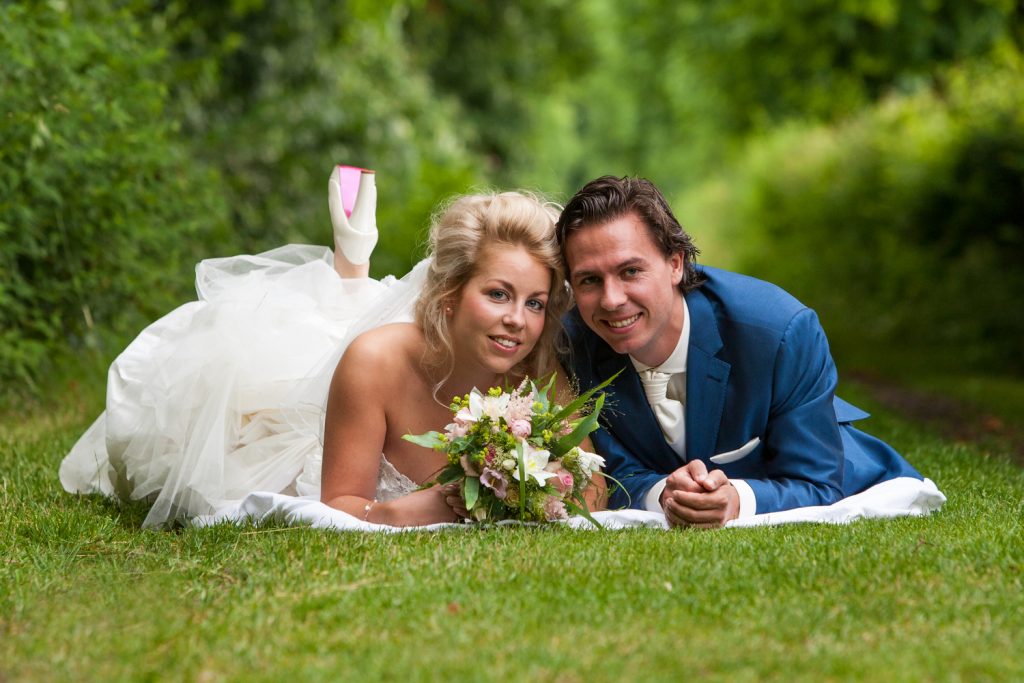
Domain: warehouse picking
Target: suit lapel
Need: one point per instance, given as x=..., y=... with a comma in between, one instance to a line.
x=630, y=416
x=706, y=379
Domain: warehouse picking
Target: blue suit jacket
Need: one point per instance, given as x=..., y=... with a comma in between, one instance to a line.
x=758, y=365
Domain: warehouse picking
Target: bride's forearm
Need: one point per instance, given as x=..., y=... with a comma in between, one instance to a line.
x=418, y=508
x=365, y=509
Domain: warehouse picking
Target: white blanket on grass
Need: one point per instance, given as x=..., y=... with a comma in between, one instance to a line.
x=903, y=496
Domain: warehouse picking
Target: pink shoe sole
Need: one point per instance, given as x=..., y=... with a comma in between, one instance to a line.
x=348, y=178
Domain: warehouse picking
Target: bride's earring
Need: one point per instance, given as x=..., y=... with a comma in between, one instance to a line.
x=352, y=199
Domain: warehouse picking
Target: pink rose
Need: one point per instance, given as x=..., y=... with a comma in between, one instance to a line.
x=520, y=428
x=562, y=481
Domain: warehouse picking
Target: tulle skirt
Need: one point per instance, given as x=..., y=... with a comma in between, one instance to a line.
x=225, y=395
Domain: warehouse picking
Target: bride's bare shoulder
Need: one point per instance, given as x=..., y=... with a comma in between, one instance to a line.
x=386, y=348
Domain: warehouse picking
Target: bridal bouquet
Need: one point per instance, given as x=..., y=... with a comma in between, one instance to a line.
x=516, y=452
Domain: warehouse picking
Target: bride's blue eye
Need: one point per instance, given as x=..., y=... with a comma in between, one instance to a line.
x=498, y=294
x=535, y=304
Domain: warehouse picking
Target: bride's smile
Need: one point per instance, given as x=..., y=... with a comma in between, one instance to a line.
x=499, y=315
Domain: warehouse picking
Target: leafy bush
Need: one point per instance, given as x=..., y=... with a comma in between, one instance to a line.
x=903, y=226
x=101, y=207
x=274, y=93
x=825, y=60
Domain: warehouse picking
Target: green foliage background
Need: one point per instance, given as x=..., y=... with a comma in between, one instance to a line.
x=904, y=223
x=867, y=155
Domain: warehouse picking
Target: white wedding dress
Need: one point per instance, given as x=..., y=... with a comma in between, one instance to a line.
x=225, y=396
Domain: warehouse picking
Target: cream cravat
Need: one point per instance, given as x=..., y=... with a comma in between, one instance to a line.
x=670, y=412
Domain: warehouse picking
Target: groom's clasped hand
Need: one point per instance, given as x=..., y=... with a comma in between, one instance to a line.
x=695, y=497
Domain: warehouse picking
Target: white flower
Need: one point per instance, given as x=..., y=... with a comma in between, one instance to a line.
x=535, y=459
x=590, y=462
x=493, y=407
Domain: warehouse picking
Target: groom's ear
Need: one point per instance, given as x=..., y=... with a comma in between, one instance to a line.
x=676, y=263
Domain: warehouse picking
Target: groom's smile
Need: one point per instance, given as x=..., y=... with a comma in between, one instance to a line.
x=626, y=288
x=622, y=324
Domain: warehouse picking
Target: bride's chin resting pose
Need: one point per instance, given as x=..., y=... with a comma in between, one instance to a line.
x=229, y=394
x=486, y=317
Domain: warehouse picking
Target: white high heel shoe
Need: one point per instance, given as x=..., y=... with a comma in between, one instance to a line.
x=352, y=198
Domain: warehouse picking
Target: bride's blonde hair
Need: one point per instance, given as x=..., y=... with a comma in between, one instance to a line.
x=459, y=232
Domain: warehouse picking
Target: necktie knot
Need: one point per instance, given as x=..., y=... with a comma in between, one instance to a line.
x=655, y=385
x=670, y=413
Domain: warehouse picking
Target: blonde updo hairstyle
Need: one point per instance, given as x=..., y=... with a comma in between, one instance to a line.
x=459, y=233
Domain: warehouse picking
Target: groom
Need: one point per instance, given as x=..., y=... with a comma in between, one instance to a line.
x=726, y=406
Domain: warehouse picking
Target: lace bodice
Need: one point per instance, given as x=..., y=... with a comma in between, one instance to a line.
x=391, y=483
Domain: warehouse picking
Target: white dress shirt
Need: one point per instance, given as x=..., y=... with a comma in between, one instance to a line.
x=675, y=365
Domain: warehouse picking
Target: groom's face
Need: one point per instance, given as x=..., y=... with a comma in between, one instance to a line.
x=626, y=289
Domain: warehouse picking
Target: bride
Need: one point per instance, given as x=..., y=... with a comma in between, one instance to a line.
x=285, y=377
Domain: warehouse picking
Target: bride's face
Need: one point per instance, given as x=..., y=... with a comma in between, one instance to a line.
x=499, y=315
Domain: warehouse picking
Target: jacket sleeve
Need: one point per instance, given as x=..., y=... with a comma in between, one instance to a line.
x=632, y=478
x=803, y=447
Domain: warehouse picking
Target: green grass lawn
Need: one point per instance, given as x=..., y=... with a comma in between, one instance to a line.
x=86, y=595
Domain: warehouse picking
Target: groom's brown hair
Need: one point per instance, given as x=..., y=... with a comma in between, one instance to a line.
x=607, y=198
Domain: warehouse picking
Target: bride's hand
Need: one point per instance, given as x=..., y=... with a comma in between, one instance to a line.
x=453, y=497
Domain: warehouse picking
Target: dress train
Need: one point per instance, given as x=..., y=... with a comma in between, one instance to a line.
x=225, y=396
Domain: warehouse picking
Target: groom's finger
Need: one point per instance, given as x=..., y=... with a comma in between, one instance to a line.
x=713, y=508
x=688, y=477
x=699, y=501
x=695, y=518
x=697, y=470
x=698, y=517
x=672, y=515
x=680, y=480
x=715, y=480
x=684, y=508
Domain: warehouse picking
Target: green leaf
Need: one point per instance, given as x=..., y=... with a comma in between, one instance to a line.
x=450, y=474
x=583, y=427
x=427, y=440
x=522, y=479
x=471, y=491
x=618, y=484
x=545, y=393
x=582, y=399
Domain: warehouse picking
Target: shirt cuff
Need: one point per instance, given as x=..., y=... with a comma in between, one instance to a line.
x=652, y=501
x=748, y=501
